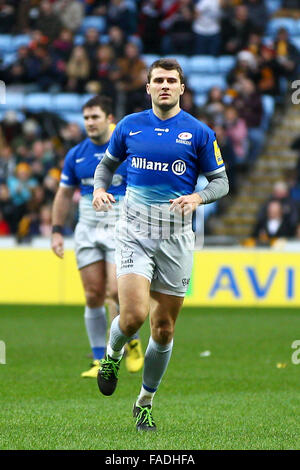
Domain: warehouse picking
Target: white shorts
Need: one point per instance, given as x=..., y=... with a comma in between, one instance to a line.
x=93, y=244
x=166, y=263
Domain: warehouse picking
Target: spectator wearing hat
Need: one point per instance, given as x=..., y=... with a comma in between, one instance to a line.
x=246, y=67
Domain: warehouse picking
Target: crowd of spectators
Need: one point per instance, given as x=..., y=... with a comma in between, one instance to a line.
x=110, y=62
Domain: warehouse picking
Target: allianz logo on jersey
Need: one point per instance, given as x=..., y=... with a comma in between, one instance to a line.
x=184, y=138
x=178, y=167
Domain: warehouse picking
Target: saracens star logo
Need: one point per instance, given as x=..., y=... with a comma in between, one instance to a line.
x=185, y=136
x=178, y=167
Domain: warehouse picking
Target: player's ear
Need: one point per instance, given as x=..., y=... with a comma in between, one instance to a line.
x=182, y=88
x=148, y=88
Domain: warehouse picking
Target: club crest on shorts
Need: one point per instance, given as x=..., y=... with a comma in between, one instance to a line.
x=117, y=180
x=126, y=258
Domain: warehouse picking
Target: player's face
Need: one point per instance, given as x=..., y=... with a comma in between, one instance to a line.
x=96, y=122
x=165, y=88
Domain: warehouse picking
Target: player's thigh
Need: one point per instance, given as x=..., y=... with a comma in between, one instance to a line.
x=163, y=315
x=93, y=279
x=174, y=261
x=134, y=298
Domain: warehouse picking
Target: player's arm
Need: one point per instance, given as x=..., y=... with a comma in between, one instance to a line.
x=103, y=200
x=217, y=187
x=60, y=209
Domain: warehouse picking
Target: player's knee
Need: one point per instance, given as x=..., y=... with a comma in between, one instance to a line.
x=162, y=332
x=93, y=298
x=130, y=322
x=112, y=293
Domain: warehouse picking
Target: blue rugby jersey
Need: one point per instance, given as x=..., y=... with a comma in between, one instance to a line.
x=78, y=170
x=164, y=157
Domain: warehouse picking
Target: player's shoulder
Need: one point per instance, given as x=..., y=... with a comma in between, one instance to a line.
x=203, y=131
x=78, y=148
x=134, y=118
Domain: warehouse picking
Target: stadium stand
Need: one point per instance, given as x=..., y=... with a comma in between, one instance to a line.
x=41, y=88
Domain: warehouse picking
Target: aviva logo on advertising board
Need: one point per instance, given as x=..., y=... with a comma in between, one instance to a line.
x=220, y=277
x=244, y=278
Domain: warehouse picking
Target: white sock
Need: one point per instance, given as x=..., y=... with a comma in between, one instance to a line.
x=114, y=354
x=145, y=398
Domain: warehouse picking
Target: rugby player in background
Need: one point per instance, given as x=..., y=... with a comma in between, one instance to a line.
x=94, y=235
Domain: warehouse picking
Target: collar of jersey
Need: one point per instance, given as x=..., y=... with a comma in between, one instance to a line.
x=163, y=122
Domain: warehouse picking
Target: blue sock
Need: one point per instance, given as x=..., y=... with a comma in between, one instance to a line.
x=98, y=353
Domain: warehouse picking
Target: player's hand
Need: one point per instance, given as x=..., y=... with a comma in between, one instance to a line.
x=186, y=204
x=57, y=244
x=102, y=200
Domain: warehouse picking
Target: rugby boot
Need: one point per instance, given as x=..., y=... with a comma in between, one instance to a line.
x=93, y=371
x=143, y=418
x=108, y=375
x=134, y=359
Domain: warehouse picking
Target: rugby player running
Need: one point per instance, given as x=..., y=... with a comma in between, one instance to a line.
x=166, y=149
x=94, y=235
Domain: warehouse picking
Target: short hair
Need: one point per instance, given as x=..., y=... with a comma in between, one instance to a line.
x=167, y=64
x=104, y=102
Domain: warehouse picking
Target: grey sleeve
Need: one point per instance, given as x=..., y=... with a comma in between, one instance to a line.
x=217, y=187
x=104, y=172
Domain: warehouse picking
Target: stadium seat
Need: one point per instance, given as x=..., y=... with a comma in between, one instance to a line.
x=9, y=58
x=273, y=5
x=183, y=61
x=83, y=99
x=14, y=101
x=6, y=43
x=78, y=39
x=296, y=41
x=21, y=40
x=289, y=24
x=202, y=83
x=225, y=63
x=20, y=116
x=73, y=117
x=65, y=102
x=38, y=102
x=203, y=64
x=149, y=58
x=137, y=41
x=96, y=22
x=268, y=111
x=200, y=99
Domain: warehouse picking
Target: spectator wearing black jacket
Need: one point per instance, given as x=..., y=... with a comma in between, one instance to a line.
x=236, y=30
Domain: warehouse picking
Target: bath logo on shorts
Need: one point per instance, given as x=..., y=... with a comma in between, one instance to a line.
x=126, y=255
x=185, y=281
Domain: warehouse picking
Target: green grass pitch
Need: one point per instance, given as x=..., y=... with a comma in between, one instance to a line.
x=237, y=398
